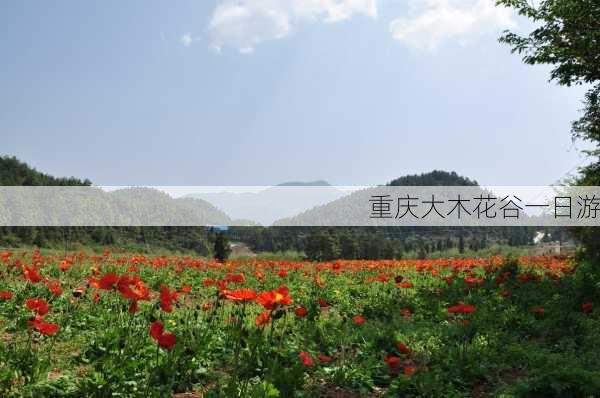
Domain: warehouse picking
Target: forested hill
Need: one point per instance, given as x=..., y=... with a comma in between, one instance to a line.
x=325, y=243
x=433, y=178
x=13, y=172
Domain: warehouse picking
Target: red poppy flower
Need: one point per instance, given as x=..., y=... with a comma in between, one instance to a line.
x=164, y=340
x=322, y=303
x=235, y=278
x=167, y=298
x=133, y=288
x=185, y=289
x=538, y=310
x=403, y=348
x=31, y=274
x=65, y=265
x=38, y=306
x=5, y=295
x=358, y=319
x=461, y=308
x=392, y=360
x=409, y=369
x=167, y=340
x=54, y=287
x=324, y=358
x=108, y=281
x=587, y=307
x=472, y=281
x=45, y=328
x=156, y=330
x=301, y=312
x=505, y=293
x=208, y=282
x=306, y=359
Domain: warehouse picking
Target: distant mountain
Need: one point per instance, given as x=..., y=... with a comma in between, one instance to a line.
x=318, y=183
x=273, y=203
x=352, y=206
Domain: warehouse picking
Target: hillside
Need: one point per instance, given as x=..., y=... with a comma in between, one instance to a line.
x=348, y=242
x=92, y=205
x=13, y=172
x=349, y=208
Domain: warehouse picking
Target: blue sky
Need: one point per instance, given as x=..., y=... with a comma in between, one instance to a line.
x=253, y=92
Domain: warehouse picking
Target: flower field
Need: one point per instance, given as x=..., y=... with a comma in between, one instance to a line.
x=80, y=325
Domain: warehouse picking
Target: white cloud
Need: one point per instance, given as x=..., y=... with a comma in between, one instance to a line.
x=187, y=40
x=245, y=23
x=431, y=22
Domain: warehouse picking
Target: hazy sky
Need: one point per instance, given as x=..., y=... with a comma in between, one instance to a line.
x=252, y=92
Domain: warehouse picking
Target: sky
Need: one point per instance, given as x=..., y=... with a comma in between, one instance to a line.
x=259, y=92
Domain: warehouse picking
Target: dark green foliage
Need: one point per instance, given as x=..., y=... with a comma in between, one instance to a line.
x=13, y=172
x=433, y=178
x=16, y=173
x=567, y=37
x=222, y=249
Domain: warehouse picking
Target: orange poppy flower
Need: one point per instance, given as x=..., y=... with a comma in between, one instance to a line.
x=274, y=298
x=240, y=295
x=263, y=318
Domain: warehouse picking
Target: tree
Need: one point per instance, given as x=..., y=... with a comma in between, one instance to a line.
x=222, y=249
x=322, y=246
x=461, y=244
x=349, y=248
x=568, y=38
